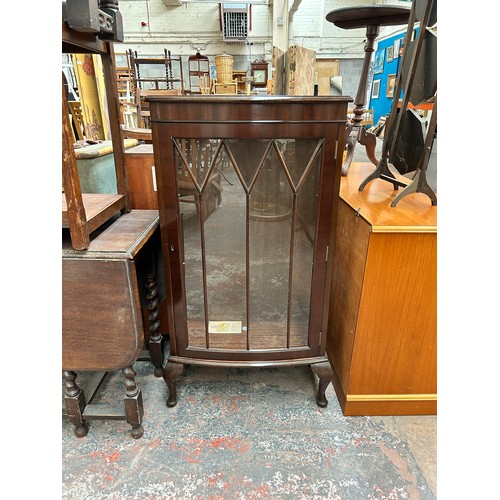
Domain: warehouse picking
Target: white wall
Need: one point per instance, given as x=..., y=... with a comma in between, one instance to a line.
x=309, y=28
x=183, y=29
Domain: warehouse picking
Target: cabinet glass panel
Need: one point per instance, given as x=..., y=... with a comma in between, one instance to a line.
x=269, y=254
x=303, y=253
x=225, y=261
x=248, y=213
x=189, y=201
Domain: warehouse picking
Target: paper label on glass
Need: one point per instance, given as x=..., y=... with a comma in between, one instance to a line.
x=224, y=327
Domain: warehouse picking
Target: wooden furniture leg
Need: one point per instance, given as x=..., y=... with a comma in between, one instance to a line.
x=351, y=138
x=355, y=133
x=325, y=374
x=369, y=141
x=171, y=373
x=155, y=344
x=382, y=172
x=134, y=409
x=357, y=130
x=74, y=399
x=419, y=183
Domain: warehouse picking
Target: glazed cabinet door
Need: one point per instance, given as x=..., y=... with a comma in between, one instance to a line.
x=246, y=237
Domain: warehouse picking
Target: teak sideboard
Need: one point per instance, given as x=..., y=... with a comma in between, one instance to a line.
x=382, y=327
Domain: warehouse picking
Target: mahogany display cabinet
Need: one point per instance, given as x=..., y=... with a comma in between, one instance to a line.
x=247, y=191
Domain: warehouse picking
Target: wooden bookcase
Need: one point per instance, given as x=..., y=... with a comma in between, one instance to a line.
x=382, y=324
x=84, y=213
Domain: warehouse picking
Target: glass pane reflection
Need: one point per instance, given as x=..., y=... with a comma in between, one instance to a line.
x=269, y=255
x=225, y=258
x=303, y=254
x=272, y=227
x=189, y=202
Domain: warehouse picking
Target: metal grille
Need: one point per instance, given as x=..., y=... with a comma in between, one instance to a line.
x=235, y=26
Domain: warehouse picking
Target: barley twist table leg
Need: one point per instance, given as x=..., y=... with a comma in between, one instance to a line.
x=74, y=399
x=134, y=409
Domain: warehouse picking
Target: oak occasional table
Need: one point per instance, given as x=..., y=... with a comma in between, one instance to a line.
x=102, y=327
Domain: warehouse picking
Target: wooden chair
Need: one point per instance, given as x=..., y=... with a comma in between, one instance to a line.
x=75, y=109
x=199, y=155
x=239, y=77
x=126, y=91
x=141, y=134
x=124, y=79
x=128, y=112
x=199, y=73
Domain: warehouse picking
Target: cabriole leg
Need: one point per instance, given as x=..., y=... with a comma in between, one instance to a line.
x=369, y=141
x=171, y=373
x=325, y=374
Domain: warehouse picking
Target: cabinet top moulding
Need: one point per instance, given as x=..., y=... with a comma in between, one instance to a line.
x=264, y=109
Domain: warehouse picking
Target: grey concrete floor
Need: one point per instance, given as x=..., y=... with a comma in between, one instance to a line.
x=247, y=434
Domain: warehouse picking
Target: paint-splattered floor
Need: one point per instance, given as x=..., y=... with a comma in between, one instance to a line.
x=247, y=434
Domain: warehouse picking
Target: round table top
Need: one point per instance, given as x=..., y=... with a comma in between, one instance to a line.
x=371, y=15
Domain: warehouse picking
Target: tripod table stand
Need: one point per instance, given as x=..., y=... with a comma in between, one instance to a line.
x=372, y=16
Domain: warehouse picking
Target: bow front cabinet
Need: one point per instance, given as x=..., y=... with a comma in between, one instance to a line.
x=247, y=191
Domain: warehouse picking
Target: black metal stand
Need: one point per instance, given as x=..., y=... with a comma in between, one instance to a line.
x=419, y=183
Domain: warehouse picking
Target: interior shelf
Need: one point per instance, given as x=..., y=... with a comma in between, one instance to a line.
x=99, y=208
